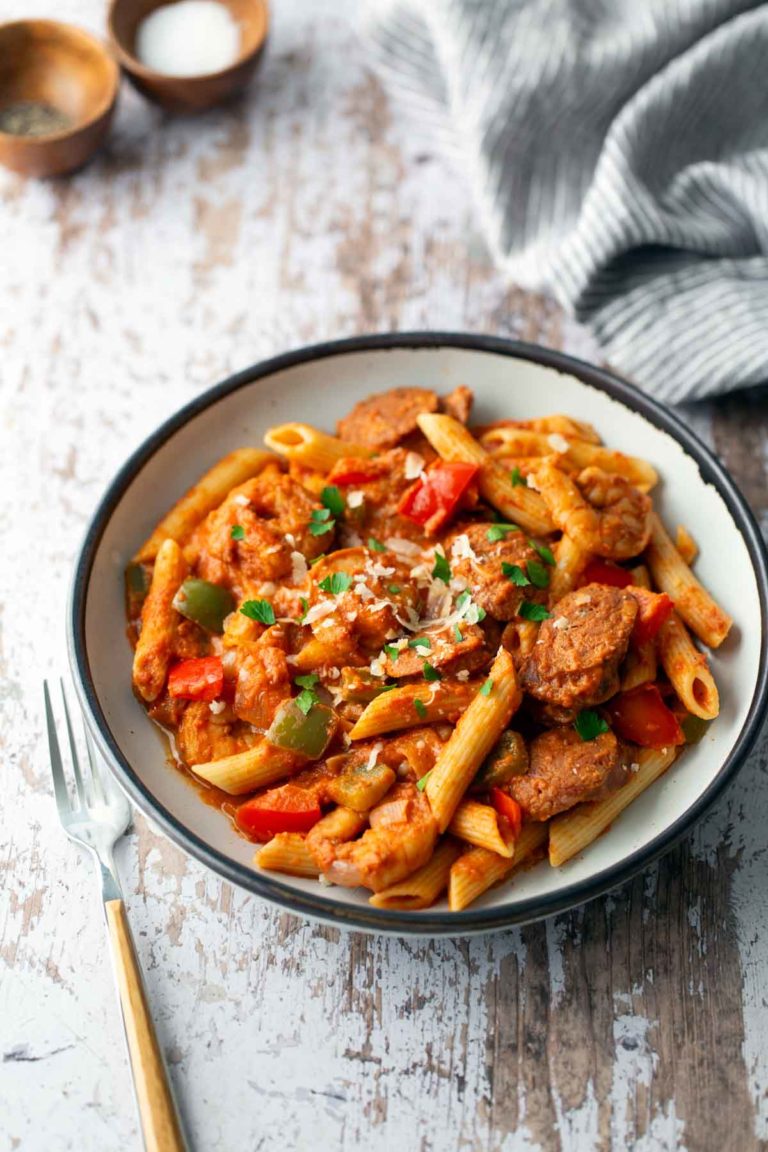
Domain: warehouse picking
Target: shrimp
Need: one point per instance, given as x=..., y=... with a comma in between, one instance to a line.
x=401, y=839
x=602, y=512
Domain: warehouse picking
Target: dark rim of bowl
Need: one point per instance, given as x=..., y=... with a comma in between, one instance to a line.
x=133, y=64
x=366, y=918
x=103, y=109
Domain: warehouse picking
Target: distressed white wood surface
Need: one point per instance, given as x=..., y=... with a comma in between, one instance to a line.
x=190, y=249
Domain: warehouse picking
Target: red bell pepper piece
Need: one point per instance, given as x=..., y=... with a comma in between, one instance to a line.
x=286, y=809
x=603, y=572
x=435, y=495
x=509, y=808
x=642, y=717
x=356, y=470
x=653, y=609
x=201, y=678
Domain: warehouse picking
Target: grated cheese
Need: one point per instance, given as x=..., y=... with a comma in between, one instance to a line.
x=463, y=675
x=355, y=499
x=399, y=544
x=318, y=611
x=371, y=762
x=414, y=466
x=217, y=706
x=558, y=442
x=461, y=549
x=241, y=499
x=299, y=568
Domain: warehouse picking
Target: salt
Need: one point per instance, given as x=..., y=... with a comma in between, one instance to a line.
x=189, y=38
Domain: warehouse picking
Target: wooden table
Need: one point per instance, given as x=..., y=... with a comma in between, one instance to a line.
x=192, y=248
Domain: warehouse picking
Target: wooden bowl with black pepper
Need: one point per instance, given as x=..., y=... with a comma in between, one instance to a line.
x=189, y=93
x=58, y=88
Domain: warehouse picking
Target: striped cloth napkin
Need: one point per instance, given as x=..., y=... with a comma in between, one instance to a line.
x=619, y=153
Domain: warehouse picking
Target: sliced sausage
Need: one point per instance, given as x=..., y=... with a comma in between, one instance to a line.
x=479, y=561
x=458, y=403
x=566, y=770
x=383, y=420
x=575, y=660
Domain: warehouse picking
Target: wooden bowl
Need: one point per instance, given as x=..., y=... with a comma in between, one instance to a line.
x=188, y=93
x=68, y=69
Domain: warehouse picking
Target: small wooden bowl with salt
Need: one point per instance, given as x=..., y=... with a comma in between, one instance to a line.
x=58, y=87
x=188, y=55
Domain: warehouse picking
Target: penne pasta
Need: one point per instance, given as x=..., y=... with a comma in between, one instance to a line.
x=574, y=455
x=570, y=562
x=565, y=425
x=571, y=832
x=311, y=448
x=477, y=870
x=479, y=824
x=672, y=575
x=640, y=666
x=519, y=638
x=688, y=670
x=686, y=545
x=245, y=771
x=641, y=577
x=412, y=705
x=158, y=622
x=477, y=730
x=518, y=503
x=287, y=852
x=422, y=888
x=241, y=465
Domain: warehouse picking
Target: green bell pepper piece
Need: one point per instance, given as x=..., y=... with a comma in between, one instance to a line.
x=507, y=758
x=308, y=734
x=694, y=728
x=205, y=603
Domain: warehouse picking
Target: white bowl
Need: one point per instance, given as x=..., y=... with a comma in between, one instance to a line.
x=317, y=385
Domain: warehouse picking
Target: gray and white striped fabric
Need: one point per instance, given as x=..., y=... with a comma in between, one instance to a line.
x=619, y=153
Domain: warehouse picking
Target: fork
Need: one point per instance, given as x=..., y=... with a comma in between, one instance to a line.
x=96, y=819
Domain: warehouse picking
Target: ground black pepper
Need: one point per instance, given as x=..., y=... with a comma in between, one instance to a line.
x=33, y=118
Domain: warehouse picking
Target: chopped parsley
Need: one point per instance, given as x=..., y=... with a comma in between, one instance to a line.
x=544, y=552
x=499, y=531
x=305, y=700
x=375, y=545
x=442, y=569
x=421, y=784
x=457, y=634
x=463, y=599
x=321, y=522
x=431, y=674
x=537, y=574
x=237, y=532
x=304, y=608
x=421, y=708
x=420, y=642
x=517, y=478
x=335, y=583
x=534, y=612
x=393, y=589
x=391, y=651
x=317, y=559
x=487, y=688
x=260, y=610
x=307, y=697
x=515, y=573
x=333, y=500
x=590, y=724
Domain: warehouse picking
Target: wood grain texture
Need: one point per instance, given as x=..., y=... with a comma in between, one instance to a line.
x=190, y=249
x=159, y=1121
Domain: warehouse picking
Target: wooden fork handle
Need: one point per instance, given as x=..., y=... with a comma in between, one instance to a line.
x=159, y=1119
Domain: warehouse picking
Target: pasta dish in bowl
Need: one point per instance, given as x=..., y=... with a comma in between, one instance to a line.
x=416, y=657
